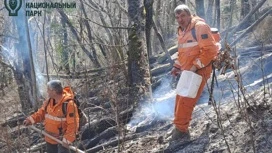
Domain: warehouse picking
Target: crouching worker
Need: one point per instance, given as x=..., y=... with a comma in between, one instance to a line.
x=56, y=124
x=196, y=49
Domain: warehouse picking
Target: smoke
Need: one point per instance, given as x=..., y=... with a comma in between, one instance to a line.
x=162, y=108
x=16, y=50
x=164, y=99
x=40, y=80
x=36, y=46
x=8, y=54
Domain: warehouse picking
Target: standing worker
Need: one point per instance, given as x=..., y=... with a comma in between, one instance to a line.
x=196, y=50
x=56, y=123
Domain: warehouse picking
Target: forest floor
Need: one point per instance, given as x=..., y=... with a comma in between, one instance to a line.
x=239, y=127
x=9, y=108
x=9, y=103
x=240, y=132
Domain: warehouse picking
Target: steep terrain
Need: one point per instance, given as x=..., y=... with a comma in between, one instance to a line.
x=235, y=123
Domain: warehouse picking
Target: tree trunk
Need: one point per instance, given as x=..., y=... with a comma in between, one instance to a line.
x=23, y=86
x=162, y=43
x=138, y=66
x=45, y=49
x=209, y=12
x=148, y=25
x=23, y=74
x=89, y=34
x=172, y=19
x=245, y=8
x=157, y=23
x=183, y=1
x=73, y=30
x=257, y=14
x=218, y=14
x=232, y=5
x=116, y=53
x=33, y=87
x=168, y=18
x=200, y=11
x=64, y=45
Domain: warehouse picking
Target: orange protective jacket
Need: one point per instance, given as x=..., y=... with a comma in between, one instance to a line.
x=198, y=52
x=191, y=52
x=55, y=122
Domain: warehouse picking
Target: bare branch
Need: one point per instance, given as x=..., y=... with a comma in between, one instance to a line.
x=251, y=27
x=121, y=7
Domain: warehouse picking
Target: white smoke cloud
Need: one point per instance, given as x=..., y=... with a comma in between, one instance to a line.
x=162, y=107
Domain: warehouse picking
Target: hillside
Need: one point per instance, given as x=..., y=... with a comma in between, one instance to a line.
x=235, y=125
x=238, y=121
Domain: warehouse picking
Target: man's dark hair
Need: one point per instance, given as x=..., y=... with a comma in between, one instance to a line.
x=55, y=85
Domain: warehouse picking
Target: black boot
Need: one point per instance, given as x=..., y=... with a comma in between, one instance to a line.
x=179, y=135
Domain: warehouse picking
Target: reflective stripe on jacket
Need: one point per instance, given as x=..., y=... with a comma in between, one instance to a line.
x=198, y=52
x=54, y=119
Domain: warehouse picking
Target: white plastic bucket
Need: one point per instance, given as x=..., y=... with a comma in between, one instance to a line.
x=188, y=84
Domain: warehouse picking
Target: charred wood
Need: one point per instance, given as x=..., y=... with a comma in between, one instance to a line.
x=152, y=60
x=90, y=130
x=115, y=142
x=14, y=133
x=167, y=126
x=161, y=69
x=125, y=115
x=105, y=135
x=14, y=121
x=156, y=84
x=163, y=57
x=148, y=126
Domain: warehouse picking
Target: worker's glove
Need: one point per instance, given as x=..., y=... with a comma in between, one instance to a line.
x=65, y=143
x=175, y=71
x=27, y=122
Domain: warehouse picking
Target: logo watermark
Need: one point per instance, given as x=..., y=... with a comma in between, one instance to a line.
x=13, y=6
x=35, y=8
x=46, y=5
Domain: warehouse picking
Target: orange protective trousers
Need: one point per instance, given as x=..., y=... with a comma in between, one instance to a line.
x=184, y=106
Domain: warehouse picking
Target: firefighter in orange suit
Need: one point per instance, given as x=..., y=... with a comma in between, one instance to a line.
x=193, y=55
x=56, y=124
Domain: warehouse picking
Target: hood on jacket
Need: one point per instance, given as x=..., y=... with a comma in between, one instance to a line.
x=194, y=20
x=68, y=93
